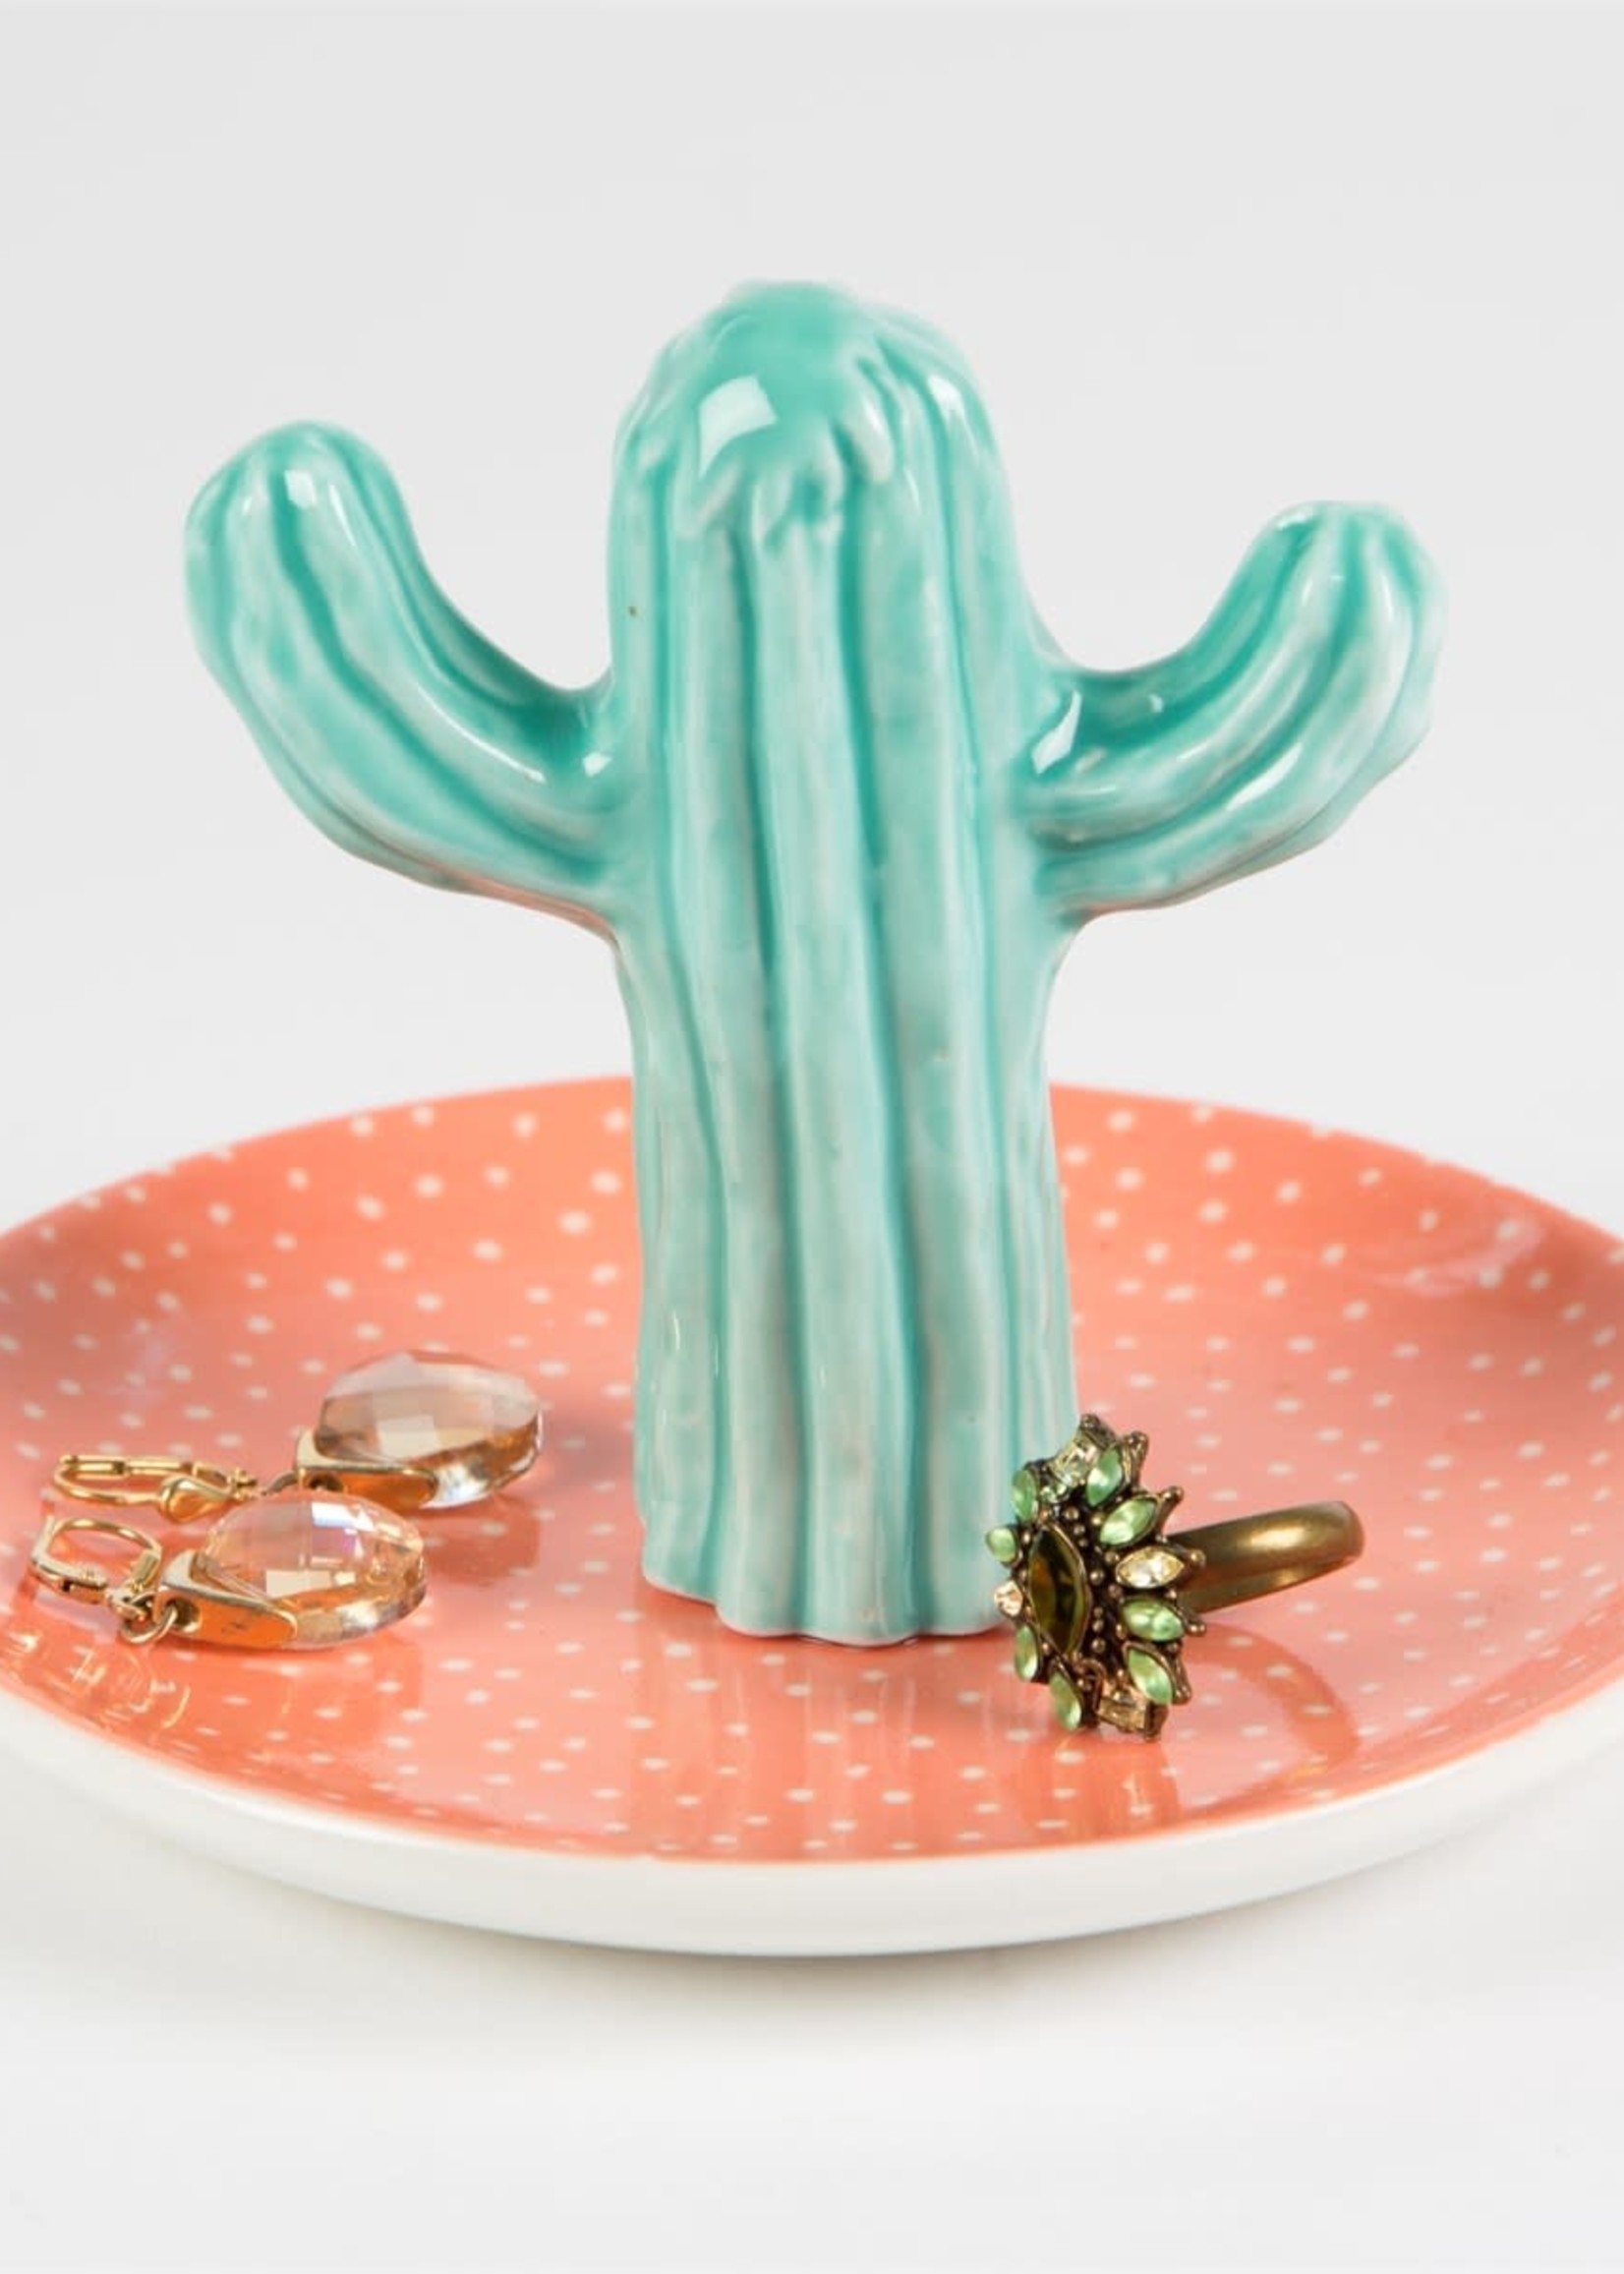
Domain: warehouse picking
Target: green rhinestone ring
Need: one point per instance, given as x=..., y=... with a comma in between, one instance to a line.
x=1102, y=1597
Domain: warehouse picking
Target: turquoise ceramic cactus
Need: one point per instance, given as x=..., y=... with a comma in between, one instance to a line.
x=839, y=805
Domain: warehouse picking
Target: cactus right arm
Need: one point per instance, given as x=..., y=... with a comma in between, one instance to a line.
x=403, y=734
x=1308, y=684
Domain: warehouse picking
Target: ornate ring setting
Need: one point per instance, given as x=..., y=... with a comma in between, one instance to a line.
x=1102, y=1596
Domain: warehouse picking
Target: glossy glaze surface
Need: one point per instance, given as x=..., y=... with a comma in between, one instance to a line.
x=1291, y=1316
x=840, y=805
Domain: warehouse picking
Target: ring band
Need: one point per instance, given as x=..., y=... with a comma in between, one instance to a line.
x=1246, y=1556
x=1102, y=1596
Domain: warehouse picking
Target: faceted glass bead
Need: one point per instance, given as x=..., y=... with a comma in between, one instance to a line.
x=1153, y=1566
x=1150, y=1674
x=1004, y=1544
x=339, y=1567
x=475, y=1430
x=1152, y=1617
x=1057, y=1589
x=1071, y=1464
x=1130, y=1522
x=1104, y=1478
x=1028, y=1653
x=1124, y=1709
x=1023, y=1494
x=1068, y=1705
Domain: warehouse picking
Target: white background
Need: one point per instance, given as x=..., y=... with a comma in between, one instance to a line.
x=1204, y=265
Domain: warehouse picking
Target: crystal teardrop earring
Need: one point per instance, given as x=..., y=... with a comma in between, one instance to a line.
x=291, y=1570
x=472, y=1429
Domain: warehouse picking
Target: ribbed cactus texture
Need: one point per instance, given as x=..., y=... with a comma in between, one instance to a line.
x=839, y=805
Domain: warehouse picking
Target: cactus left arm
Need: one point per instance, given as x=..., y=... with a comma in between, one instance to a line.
x=1309, y=682
x=404, y=735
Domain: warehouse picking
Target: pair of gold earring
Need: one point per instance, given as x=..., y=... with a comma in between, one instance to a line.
x=323, y=1553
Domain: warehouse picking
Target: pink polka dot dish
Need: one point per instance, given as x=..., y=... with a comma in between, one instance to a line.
x=553, y=1746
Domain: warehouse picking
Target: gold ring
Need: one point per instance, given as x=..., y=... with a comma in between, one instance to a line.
x=1102, y=1597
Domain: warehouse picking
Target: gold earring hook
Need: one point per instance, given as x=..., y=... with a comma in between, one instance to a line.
x=132, y=1600
x=182, y=1491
